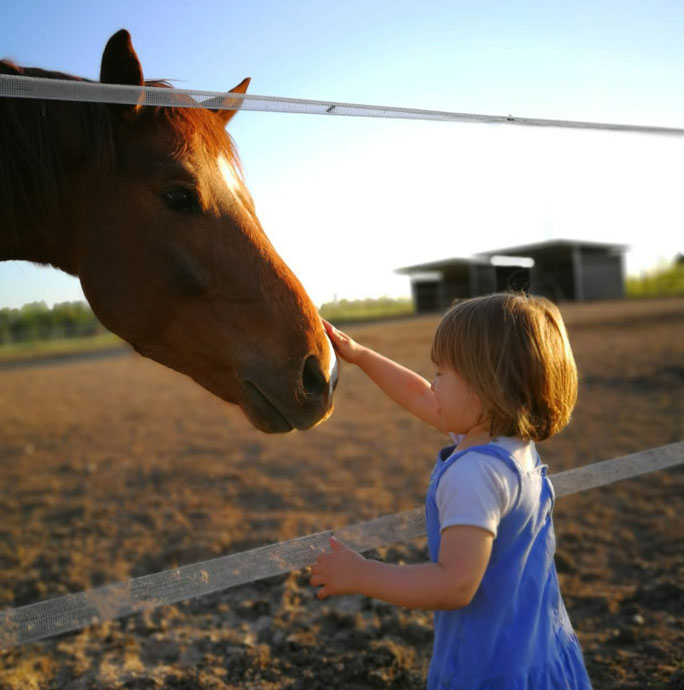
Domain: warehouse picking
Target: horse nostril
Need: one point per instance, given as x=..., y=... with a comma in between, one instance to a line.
x=313, y=379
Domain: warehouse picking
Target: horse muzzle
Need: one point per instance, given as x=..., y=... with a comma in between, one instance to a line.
x=273, y=406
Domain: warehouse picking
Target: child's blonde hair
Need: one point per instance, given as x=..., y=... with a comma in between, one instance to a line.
x=512, y=349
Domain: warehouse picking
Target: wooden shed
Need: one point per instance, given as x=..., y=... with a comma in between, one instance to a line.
x=563, y=270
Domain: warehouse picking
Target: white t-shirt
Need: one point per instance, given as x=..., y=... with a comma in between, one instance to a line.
x=479, y=489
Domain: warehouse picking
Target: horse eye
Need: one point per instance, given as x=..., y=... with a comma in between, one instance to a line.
x=181, y=199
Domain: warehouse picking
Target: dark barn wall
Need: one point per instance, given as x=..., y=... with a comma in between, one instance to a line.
x=512, y=278
x=456, y=283
x=459, y=281
x=426, y=295
x=553, y=275
x=602, y=275
x=482, y=279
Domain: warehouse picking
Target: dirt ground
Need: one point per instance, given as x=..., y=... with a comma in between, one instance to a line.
x=117, y=467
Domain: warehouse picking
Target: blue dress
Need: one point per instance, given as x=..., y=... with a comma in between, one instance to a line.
x=515, y=634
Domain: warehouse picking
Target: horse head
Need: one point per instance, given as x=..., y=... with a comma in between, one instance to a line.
x=172, y=258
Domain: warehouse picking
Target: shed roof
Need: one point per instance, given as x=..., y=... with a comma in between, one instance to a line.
x=546, y=245
x=442, y=264
x=524, y=250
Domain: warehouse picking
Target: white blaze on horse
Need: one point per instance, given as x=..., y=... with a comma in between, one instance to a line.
x=147, y=206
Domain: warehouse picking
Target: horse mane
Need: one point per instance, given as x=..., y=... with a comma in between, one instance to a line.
x=34, y=162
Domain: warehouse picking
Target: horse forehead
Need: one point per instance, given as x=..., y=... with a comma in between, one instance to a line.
x=228, y=174
x=231, y=180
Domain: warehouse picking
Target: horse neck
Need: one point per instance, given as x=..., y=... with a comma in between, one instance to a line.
x=39, y=140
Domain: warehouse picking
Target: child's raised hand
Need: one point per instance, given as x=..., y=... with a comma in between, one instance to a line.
x=337, y=572
x=345, y=347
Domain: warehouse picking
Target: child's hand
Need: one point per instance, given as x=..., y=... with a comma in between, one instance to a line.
x=337, y=572
x=345, y=347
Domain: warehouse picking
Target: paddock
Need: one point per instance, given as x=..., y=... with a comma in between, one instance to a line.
x=141, y=470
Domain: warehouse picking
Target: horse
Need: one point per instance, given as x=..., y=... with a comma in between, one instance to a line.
x=148, y=207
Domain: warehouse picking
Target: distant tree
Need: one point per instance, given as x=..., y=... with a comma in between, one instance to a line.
x=37, y=321
x=660, y=282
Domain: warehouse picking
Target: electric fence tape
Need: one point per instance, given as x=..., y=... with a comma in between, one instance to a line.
x=75, y=611
x=67, y=90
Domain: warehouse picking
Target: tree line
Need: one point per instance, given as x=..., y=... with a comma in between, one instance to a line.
x=37, y=321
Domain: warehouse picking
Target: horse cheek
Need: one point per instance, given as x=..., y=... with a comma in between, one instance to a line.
x=122, y=276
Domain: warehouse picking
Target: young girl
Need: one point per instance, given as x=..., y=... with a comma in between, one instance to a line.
x=505, y=378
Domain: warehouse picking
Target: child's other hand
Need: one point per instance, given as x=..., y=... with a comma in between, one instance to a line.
x=345, y=347
x=337, y=572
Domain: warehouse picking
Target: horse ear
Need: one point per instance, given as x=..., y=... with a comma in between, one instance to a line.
x=226, y=115
x=120, y=64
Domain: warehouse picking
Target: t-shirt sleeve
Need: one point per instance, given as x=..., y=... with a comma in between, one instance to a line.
x=477, y=490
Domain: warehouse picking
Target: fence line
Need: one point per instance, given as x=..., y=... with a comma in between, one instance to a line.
x=66, y=90
x=75, y=611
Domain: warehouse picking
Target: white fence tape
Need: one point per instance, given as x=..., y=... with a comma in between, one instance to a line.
x=75, y=611
x=66, y=90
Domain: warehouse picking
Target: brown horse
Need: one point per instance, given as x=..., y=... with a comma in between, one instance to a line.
x=147, y=206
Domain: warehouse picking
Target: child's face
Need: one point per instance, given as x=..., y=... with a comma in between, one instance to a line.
x=459, y=408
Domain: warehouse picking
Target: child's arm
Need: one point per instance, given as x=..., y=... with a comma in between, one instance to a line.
x=450, y=583
x=402, y=385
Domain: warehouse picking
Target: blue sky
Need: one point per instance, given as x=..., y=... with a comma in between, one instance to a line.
x=346, y=201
